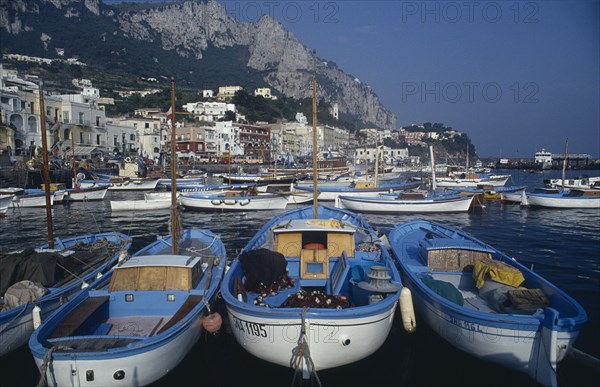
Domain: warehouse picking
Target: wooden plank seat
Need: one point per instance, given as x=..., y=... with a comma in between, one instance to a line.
x=78, y=316
x=187, y=306
x=336, y=281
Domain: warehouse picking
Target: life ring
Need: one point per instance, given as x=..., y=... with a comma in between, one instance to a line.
x=80, y=176
x=127, y=159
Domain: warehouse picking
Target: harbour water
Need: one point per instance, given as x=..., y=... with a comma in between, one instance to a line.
x=561, y=245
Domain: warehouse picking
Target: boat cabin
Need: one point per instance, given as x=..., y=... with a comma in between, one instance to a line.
x=450, y=255
x=159, y=272
x=315, y=242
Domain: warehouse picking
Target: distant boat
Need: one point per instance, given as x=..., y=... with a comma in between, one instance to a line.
x=407, y=202
x=124, y=183
x=331, y=192
x=583, y=182
x=5, y=201
x=141, y=204
x=60, y=273
x=471, y=180
x=489, y=192
x=85, y=194
x=485, y=303
x=137, y=322
x=232, y=201
x=570, y=198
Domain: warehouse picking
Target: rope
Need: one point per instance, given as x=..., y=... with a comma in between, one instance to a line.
x=47, y=359
x=301, y=353
x=8, y=324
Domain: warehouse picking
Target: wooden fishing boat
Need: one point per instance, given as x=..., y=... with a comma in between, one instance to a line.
x=62, y=272
x=310, y=292
x=366, y=189
x=5, y=201
x=407, y=202
x=569, y=198
x=232, y=201
x=484, y=302
x=137, y=322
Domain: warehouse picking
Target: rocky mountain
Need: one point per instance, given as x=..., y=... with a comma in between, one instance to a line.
x=194, y=39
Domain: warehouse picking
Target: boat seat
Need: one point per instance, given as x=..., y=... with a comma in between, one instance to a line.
x=78, y=316
x=340, y=272
x=187, y=306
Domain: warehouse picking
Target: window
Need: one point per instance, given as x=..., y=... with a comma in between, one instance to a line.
x=97, y=139
x=132, y=137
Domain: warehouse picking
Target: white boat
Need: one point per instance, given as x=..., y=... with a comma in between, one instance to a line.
x=136, y=323
x=38, y=283
x=312, y=292
x=85, y=194
x=570, y=198
x=32, y=198
x=329, y=192
x=140, y=205
x=5, y=202
x=407, y=202
x=485, y=303
x=472, y=180
x=578, y=182
x=512, y=197
x=123, y=183
x=232, y=201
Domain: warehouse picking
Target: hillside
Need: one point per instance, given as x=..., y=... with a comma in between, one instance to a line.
x=196, y=42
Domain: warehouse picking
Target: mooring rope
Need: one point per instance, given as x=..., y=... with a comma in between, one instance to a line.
x=302, y=353
x=47, y=359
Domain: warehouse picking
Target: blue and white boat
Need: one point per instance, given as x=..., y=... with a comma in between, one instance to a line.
x=330, y=192
x=407, y=202
x=568, y=198
x=485, y=303
x=248, y=200
x=136, y=323
x=37, y=282
x=312, y=291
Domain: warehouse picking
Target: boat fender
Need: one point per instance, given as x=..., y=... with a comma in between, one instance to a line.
x=36, y=316
x=245, y=202
x=407, y=310
x=84, y=285
x=216, y=202
x=212, y=323
x=230, y=202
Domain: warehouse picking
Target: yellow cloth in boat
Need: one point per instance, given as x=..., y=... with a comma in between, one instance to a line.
x=498, y=271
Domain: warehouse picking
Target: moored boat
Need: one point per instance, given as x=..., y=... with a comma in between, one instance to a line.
x=312, y=291
x=232, y=201
x=569, y=198
x=407, y=202
x=485, y=303
x=137, y=322
x=62, y=272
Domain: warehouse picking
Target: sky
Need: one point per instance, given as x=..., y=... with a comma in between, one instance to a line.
x=515, y=76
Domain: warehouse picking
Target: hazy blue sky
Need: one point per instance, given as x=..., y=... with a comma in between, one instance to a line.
x=516, y=76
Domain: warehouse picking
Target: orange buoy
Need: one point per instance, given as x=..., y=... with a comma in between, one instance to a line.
x=212, y=323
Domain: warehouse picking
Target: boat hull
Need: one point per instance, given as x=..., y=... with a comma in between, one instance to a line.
x=531, y=341
x=556, y=201
x=16, y=324
x=274, y=340
x=390, y=206
x=140, y=205
x=242, y=203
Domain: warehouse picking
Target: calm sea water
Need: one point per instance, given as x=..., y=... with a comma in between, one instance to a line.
x=561, y=245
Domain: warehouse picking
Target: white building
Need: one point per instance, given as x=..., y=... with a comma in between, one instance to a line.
x=209, y=111
x=208, y=94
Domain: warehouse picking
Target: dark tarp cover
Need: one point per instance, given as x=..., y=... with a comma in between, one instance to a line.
x=32, y=266
x=262, y=266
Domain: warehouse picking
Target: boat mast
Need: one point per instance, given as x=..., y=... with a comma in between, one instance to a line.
x=376, y=163
x=73, y=161
x=433, y=182
x=174, y=221
x=314, y=136
x=564, y=171
x=45, y=169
